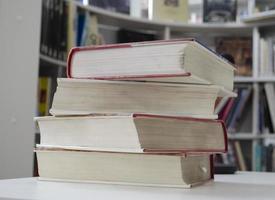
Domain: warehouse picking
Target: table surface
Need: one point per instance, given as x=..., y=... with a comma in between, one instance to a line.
x=243, y=185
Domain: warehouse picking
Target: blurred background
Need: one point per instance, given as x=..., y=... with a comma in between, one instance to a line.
x=36, y=36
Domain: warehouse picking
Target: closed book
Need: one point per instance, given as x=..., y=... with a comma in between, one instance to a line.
x=83, y=97
x=163, y=10
x=135, y=133
x=171, y=170
x=185, y=61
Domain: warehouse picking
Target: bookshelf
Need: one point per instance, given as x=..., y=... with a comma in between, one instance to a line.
x=52, y=61
x=248, y=27
x=261, y=18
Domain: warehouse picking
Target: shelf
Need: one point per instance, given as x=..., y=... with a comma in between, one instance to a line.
x=249, y=136
x=125, y=21
x=261, y=18
x=242, y=136
x=52, y=60
x=252, y=79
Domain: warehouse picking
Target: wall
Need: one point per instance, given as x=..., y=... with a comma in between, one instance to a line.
x=19, y=57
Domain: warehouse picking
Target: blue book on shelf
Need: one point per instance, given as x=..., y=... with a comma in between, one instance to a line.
x=81, y=17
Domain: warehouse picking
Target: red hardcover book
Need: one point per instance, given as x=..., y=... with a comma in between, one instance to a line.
x=184, y=60
x=227, y=109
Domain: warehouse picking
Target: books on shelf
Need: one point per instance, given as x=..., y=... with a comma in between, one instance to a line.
x=267, y=56
x=270, y=97
x=219, y=11
x=87, y=29
x=128, y=131
x=240, y=48
x=169, y=170
x=262, y=6
x=167, y=10
x=53, y=35
x=231, y=110
x=184, y=61
x=65, y=25
x=265, y=157
x=239, y=156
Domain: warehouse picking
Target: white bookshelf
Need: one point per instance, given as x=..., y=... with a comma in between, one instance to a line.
x=52, y=61
x=249, y=26
x=125, y=21
x=250, y=136
x=261, y=18
x=252, y=79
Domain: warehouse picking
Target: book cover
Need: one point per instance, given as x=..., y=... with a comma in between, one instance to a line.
x=219, y=10
x=169, y=10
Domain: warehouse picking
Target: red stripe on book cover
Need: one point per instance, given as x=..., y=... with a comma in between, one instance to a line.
x=227, y=109
x=225, y=136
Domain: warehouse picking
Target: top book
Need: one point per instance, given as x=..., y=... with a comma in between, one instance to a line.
x=184, y=60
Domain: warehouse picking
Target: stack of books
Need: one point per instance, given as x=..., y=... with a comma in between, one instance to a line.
x=136, y=113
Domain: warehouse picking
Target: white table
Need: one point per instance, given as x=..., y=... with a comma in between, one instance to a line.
x=243, y=185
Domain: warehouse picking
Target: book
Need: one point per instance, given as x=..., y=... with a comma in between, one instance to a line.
x=90, y=34
x=237, y=112
x=185, y=61
x=226, y=110
x=53, y=40
x=169, y=10
x=267, y=52
x=270, y=95
x=219, y=11
x=84, y=96
x=221, y=104
x=170, y=170
x=265, y=124
x=134, y=133
x=240, y=48
x=262, y=6
x=44, y=95
x=240, y=157
x=71, y=13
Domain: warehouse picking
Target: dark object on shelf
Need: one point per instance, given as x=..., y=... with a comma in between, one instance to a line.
x=228, y=57
x=53, y=29
x=224, y=168
x=121, y=6
x=264, y=5
x=269, y=158
x=241, y=50
x=124, y=36
x=219, y=10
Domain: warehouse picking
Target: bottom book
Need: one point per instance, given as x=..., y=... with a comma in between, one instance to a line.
x=148, y=169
